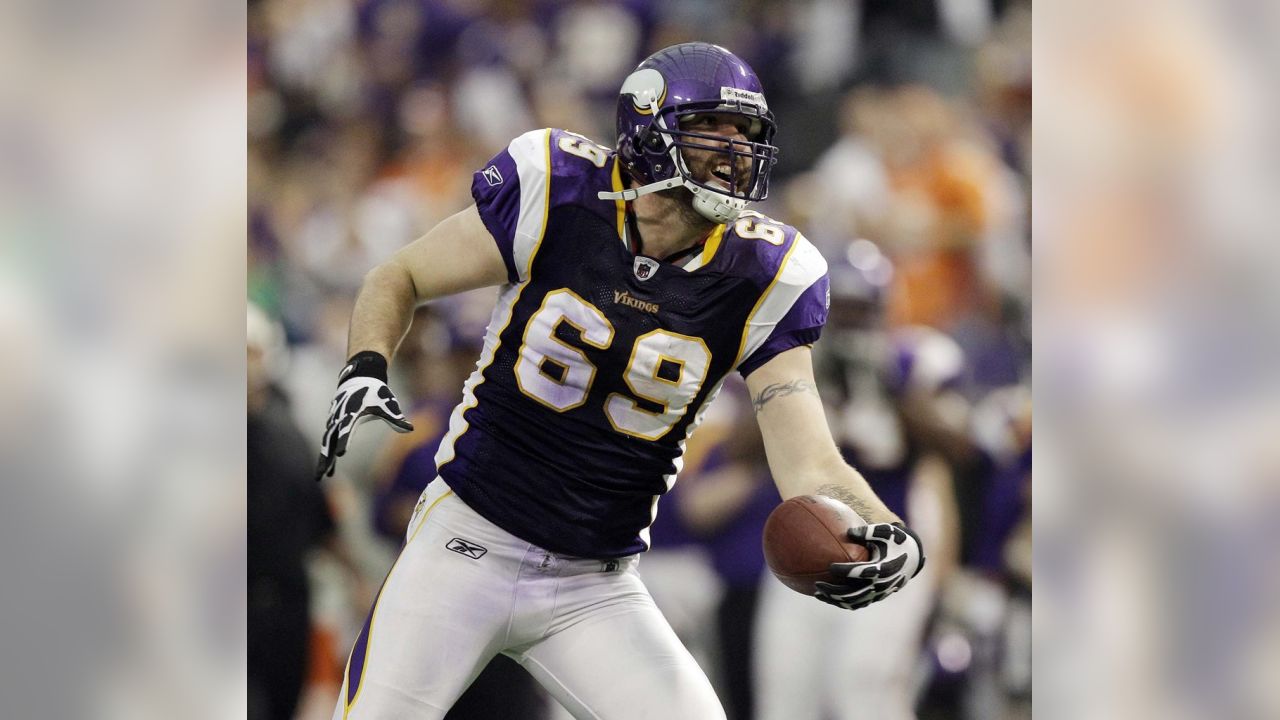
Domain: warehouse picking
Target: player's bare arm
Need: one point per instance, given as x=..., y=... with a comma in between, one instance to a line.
x=804, y=460
x=455, y=256
x=803, y=457
x=778, y=390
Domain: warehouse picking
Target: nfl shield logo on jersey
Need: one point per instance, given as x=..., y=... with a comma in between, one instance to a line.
x=645, y=268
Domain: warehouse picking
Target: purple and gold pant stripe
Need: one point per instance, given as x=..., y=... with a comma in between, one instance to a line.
x=360, y=651
x=355, y=667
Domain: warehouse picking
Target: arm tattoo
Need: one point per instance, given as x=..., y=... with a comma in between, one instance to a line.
x=779, y=389
x=846, y=496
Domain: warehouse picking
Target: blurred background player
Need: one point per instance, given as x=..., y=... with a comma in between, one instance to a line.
x=289, y=518
x=981, y=642
x=891, y=400
x=434, y=360
x=725, y=504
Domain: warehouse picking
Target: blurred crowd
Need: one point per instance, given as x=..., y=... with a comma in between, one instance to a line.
x=905, y=130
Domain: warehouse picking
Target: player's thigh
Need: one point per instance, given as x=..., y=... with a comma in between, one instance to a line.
x=438, y=619
x=620, y=660
x=791, y=655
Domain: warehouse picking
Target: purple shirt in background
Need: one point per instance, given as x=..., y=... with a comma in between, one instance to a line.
x=1003, y=504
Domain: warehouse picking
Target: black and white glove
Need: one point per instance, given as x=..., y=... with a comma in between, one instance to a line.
x=362, y=394
x=896, y=557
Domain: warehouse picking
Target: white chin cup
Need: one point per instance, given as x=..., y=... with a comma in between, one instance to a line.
x=718, y=208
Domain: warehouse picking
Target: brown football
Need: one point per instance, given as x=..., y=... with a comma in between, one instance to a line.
x=806, y=534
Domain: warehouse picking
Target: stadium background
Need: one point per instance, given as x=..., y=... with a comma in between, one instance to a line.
x=906, y=122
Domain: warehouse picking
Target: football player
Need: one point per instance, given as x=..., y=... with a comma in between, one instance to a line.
x=632, y=281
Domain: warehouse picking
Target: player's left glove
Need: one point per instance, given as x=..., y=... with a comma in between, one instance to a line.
x=896, y=557
x=362, y=394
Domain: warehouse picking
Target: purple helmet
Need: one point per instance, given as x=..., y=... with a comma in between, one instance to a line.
x=684, y=80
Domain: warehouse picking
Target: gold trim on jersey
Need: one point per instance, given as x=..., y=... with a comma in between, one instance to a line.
x=546, y=209
x=712, y=245
x=619, y=205
x=746, y=329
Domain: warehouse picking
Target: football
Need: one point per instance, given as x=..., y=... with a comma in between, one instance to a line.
x=806, y=534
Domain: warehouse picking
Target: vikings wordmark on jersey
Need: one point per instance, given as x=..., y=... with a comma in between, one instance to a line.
x=597, y=362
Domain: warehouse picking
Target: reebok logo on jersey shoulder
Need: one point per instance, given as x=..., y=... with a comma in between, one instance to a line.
x=492, y=176
x=622, y=297
x=466, y=547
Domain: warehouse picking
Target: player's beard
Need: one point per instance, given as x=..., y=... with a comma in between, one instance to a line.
x=684, y=209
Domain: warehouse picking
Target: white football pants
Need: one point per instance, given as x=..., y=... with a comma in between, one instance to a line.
x=464, y=590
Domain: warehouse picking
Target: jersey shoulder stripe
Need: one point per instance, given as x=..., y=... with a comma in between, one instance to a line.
x=532, y=155
x=537, y=172
x=795, y=301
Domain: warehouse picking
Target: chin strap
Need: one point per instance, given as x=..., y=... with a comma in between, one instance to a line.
x=711, y=205
x=633, y=193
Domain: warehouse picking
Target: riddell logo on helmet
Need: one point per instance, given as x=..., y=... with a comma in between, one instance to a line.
x=746, y=96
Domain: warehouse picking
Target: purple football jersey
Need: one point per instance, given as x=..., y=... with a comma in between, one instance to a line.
x=598, y=363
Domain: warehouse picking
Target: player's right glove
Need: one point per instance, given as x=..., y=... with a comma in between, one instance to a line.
x=896, y=557
x=362, y=394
